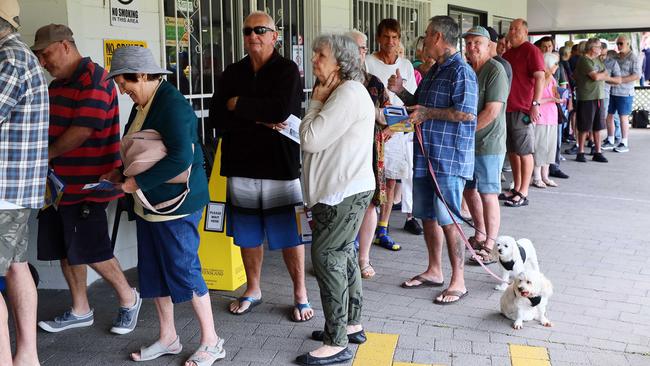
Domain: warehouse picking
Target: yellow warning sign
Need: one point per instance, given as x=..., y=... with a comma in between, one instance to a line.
x=221, y=261
x=110, y=45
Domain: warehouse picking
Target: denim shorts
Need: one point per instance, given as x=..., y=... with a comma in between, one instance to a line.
x=620, y=104
x=487, y=174
x=168, y=259
x=427, y=206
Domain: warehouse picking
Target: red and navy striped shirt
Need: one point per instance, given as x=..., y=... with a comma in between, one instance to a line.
x=86, y=100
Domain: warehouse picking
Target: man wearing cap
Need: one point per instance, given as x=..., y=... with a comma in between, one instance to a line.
x=494, y=39
x=445, y=107
x=481, y=193
x=84, y=140
x=23, y=167
x=254, y=98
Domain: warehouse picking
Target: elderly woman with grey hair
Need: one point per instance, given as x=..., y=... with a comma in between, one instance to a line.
x=336, y=138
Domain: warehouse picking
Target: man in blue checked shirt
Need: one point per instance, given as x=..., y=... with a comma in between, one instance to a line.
x=445, y=106
x=24, y=121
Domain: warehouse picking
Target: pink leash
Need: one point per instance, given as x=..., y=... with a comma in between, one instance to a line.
x=418, y=133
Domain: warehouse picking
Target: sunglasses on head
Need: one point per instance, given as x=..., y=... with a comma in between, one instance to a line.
x=259, y=30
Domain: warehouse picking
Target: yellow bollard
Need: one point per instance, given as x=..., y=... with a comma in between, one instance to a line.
x=221, y=261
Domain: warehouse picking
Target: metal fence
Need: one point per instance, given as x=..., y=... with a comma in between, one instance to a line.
x=412, y=15
x=641, y=98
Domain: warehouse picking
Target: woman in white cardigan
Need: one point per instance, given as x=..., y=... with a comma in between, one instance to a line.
x=336, y=138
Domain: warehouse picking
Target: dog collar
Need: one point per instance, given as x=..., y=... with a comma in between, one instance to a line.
x=534, y=301
x=507, y=265
x=511, y=264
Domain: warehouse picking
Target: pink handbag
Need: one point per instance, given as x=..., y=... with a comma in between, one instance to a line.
x=142, y=150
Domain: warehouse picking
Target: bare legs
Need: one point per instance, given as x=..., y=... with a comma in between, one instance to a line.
x=294, y=258
x=522, y=170
x=202, y=310
x=22, y=291
x=366, y=234
x=110, y=270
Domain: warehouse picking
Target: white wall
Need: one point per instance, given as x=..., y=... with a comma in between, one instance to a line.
x=504, y=8
x=90, y=23
x=336, y=14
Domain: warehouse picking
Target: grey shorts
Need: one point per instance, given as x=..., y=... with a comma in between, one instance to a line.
x=14, y=234
x=520, y=135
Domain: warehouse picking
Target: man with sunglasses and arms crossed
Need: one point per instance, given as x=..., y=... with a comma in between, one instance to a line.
x=253, y=99
x=620, y=100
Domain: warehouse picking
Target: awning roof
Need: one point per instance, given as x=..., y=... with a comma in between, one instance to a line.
x=573, y=15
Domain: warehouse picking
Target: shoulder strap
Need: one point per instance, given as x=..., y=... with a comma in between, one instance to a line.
x=169, y=206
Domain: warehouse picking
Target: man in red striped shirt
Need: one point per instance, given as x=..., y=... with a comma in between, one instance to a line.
x=84, y=139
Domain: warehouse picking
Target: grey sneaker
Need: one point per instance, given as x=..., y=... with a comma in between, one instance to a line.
x=621, y=148
x=67, y=321
x=607, y=145
x=127, y=318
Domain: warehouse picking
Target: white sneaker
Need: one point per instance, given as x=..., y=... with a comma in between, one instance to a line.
x=621, y=148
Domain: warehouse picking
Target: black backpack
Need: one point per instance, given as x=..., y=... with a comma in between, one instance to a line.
x=640, y=118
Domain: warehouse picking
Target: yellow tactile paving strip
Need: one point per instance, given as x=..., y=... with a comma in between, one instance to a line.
x=379, y=350
x=521, y=355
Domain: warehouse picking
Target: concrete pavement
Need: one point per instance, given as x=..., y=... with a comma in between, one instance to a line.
x=592, y=240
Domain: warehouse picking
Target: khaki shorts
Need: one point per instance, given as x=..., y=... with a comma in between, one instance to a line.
x=520, y=135
x=13, y=237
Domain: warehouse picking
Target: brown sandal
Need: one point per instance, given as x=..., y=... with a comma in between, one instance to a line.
x=486, y=255
x=367, y=271
x=476, y=244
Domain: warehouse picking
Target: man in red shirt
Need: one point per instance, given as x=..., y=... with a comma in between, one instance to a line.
x=84, y=137
x=522, y=109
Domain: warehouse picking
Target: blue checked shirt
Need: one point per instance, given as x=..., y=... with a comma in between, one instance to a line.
x=449, y=145
x=24, y=122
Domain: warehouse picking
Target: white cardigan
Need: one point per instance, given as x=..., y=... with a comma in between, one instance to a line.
x=336, y=139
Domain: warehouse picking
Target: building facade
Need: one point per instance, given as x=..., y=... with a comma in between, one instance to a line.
x=197, y=39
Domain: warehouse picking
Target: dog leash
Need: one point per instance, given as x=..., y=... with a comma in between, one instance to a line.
x=418, y=133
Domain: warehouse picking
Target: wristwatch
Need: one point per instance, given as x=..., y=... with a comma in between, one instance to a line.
x=536, y=103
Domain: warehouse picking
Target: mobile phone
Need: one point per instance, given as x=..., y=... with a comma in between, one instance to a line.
x=526, y=119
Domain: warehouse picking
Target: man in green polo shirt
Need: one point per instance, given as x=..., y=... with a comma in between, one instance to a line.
x=590, y=75
x=481, y=193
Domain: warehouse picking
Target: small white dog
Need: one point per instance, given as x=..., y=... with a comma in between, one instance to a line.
x=515, y=257
x=526, y=299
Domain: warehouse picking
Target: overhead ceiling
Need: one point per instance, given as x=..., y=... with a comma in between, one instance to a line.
x=563, y=15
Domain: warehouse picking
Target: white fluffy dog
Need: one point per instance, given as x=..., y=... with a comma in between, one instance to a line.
x=526, y=299
x=515, y=257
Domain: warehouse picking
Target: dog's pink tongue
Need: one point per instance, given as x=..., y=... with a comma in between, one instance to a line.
x=524, y=293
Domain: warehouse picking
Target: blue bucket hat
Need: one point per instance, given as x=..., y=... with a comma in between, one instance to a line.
x=134, y=60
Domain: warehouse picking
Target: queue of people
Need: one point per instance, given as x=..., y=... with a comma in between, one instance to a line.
x=470, y=115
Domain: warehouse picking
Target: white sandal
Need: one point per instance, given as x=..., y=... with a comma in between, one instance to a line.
x=158, y=349
x=538, y=183
x=550, y=183
x=207, y=355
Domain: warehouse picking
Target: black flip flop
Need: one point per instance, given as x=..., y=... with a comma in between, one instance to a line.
x=448, y=292
x=423, y=283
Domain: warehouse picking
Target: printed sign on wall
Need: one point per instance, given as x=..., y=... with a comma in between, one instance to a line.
x=125, y=13
x=110, y=45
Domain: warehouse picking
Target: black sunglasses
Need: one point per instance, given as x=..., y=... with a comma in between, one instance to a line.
x=259, y=30
x=619, y=43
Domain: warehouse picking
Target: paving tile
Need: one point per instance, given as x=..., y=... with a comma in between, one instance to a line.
x=600, y=309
